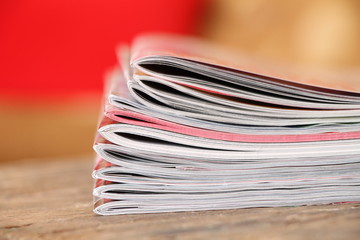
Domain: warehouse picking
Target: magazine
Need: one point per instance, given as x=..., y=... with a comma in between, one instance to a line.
x=189, y=126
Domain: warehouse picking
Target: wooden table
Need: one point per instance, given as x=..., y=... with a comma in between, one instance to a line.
x=52, y=200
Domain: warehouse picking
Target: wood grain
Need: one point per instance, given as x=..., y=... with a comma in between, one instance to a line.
x=52, y=200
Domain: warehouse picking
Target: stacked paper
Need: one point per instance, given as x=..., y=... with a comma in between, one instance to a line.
x=189, y=127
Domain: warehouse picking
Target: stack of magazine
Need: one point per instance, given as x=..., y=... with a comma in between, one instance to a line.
x=188, y=126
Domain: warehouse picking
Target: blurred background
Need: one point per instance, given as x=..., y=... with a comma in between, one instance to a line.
x=54, y=55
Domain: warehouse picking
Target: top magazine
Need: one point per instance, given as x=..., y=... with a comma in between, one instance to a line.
x=189, y=126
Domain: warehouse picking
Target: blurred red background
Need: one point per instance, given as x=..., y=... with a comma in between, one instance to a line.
x=58, y=48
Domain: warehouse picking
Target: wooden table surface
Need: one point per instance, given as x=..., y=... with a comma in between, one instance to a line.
x=52, y=200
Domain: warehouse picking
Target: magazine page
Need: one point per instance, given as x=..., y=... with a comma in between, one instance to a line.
x=199, y=51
